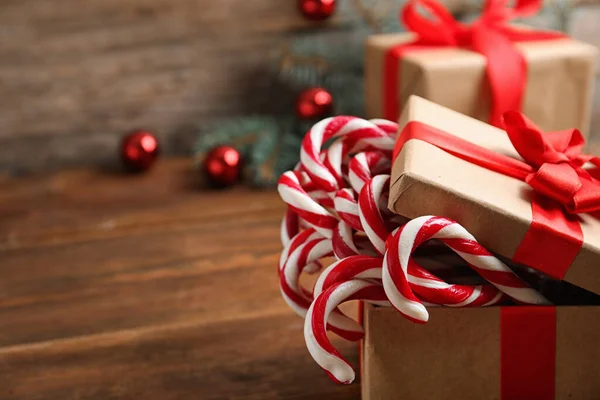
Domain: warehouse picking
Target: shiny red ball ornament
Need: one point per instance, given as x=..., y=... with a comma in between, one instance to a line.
x=314, y=103
x=222, y=166
x=316, y=10
x=139, y=150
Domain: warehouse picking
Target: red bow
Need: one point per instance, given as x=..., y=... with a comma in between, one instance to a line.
x=557, y=164
x=490, y=36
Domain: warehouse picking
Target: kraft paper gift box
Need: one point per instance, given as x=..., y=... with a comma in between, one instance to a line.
x=482, y=354
x=497, y=209
x=501, y=353
x=558, y=84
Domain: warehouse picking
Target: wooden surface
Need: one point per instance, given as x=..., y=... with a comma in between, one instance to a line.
x=147, y=287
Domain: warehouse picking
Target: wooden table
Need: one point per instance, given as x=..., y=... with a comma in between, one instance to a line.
x=147, y=287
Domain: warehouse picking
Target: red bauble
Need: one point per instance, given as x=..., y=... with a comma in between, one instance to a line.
x=223, y=165
x=314, y=103
x=316, y=10
x=139, y=150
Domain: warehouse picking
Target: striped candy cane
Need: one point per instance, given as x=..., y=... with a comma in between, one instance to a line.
x=370, y=211
x=290, y=226
x=299, y=299
x=375, y=134
x=297, y=241
x=346, y=207
x=363, y=166
x=414, y=233
x=343, y=241
x=304, y=206
x=428, y=287
x=295, y=295
x=315, y=334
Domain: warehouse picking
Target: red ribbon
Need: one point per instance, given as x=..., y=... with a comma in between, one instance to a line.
x=490, y=35
x=527, y=353
x=552, y=166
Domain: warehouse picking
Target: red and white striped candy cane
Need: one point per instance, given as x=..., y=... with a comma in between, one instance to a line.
x=333, y=158
x=370, y=211
x=419, y=230
x=290, y=226
x=375, y=134
x=426, y=285
x=300, y=239
x=295, y=295
x=343, y=241
x=353, y=267
x=304, y=206
x=363, y=166
x=317, y=316
x=346, y=207
x=432, y=290
x=299, y=299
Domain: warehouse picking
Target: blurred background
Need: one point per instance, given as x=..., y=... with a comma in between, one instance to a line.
x=75, y=76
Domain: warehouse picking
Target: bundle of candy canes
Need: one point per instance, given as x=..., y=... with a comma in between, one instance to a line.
x=337, y=207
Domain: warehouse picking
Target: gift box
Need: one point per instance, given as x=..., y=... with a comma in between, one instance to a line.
x=539, y=211
x=504, y=353
x=509, y=189
x=481, y=70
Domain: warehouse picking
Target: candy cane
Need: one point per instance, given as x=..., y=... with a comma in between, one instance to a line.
x=299, y=299
x=377, y=134
x=333, y=159
x=315, y=333
x=298, y=240
x=343, y=241
x=419, y=230
x=302, y=204
x=369, y=210
x=347, y=269
x=365, y=165
x=429, y=287
x=294, y=295
x=290, y=226
x=346, y=207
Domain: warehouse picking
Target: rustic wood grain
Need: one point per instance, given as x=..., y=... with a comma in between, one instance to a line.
x=129, y=287
x=76, y=74
x=255, y=358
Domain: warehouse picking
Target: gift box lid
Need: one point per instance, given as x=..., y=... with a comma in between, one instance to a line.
x=495, y=208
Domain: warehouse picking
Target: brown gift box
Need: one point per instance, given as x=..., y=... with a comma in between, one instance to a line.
x=459, y=354
x=494, y=208
x=560, y=77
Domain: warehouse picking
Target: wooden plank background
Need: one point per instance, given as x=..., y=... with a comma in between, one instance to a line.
x=76, y=74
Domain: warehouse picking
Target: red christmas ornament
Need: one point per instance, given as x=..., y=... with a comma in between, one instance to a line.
x=316, y=10
x=222, y=165
x=314, y=103
x=139, y=150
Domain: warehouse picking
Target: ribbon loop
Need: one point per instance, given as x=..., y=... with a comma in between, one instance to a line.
x=556, y=181
x=558, y=163
x=437, y=28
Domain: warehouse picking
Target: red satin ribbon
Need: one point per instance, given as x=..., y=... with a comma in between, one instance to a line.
x=555, y=236
x=527, y=353
x=490, y=35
